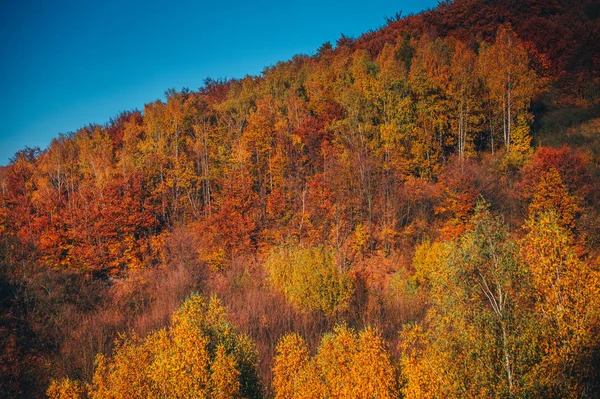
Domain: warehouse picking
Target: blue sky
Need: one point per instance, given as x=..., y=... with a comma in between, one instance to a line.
x=66, y=64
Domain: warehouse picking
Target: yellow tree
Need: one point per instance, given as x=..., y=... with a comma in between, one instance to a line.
x=567, y=293
x=334, y=361
x=180, y=360
x=164, y=152
x=199, y=356
x=429, y=78
x=224, y=376
x=391, y=145
x=95, y=156
x=124, y=375
x=354, y=134
x=463, y=94
x=373, y=374
x=504, y=320
x=265, y=139
x=129, y=159
x=551, y=193
x=511, y=85
x=290, y=361
x=347, y=365
x=66, y=389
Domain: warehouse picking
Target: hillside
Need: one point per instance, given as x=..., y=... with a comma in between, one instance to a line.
x=561, y=36
x=411, y=213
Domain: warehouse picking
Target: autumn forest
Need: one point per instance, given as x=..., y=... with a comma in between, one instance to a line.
x=413, y=213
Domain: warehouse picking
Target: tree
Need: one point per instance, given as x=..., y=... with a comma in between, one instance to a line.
x=505, y=320
x=511, y=84
x=66, y=389
x=95, y=157
x=464, y=94
x=198, y=356
x=429, y=78
x=309, y=278
x=566, y=305
x=224, y=376
x=346, y=365
x=292, y=357
x=472, y=342
x=551, y=194
x=458, y=194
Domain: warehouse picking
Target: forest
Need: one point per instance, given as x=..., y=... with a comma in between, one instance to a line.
x=413, y=213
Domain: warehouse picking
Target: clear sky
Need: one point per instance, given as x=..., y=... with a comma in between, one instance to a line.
x=68, y=63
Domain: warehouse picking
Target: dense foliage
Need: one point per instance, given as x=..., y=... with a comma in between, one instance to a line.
x=309, y=278
x=411, y=213
x=198, y=356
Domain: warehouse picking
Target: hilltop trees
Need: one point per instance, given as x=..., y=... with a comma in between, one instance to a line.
x=511, y=85
x=313, y=149
x=465, y=89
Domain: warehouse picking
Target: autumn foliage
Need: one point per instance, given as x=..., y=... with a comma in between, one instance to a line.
x=198, y=356
x=384, y=218
x=347, y=365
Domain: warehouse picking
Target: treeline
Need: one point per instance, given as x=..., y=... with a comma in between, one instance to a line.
x=316, y=150
x=373, y=218
x=561, y=36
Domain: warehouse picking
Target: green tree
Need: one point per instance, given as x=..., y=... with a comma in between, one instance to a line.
x=309, y=278
x=473, y=343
